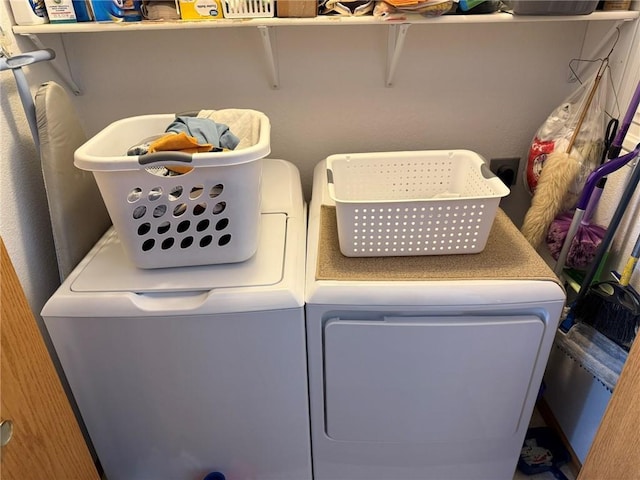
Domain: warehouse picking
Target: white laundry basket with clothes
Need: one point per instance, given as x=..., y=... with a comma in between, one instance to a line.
x=180, y=208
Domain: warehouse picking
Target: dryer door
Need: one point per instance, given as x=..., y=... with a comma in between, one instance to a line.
x=428, y=379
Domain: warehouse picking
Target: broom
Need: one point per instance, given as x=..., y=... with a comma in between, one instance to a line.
x=559, y=171
x=612, y=306
x=621, y=320
x=628, y=269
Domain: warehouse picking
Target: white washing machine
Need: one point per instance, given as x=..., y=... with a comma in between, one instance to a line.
x=179, y=372
x=424, y=367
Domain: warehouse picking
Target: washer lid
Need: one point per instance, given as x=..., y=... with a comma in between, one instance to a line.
x=109, y=270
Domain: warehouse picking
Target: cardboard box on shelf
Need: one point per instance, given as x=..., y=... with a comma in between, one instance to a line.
x=60, y=11
x=200, y=9
x=297, y=8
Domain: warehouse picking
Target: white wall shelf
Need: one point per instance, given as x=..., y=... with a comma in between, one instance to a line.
x=397, y=29
x=322, y=20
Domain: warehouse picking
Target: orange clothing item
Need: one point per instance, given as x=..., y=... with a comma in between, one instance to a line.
x=180, y=142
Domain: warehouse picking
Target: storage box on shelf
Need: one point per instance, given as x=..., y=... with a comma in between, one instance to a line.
x=248, y=8
x=200, y=9
x=474, y=7
x=616, y=5
x=553, y=7
x=297, y=8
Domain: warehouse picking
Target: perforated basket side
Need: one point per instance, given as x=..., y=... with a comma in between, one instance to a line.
x=248, y=8
x=208, y=216
x=415, y=228
x=413, y=203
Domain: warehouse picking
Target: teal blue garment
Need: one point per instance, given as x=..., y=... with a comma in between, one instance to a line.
x=205, y=131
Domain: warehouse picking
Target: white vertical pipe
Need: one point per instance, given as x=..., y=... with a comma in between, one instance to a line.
x=397, y=35
x=267, y=44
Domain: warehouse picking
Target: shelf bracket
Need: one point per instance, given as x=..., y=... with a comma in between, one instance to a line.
x=66, y=77
x=606, y=39
x=395, y=43
x=269, y=53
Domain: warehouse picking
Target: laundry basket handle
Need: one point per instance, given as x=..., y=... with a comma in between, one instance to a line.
x=329, y=176
x=486, y=172
x=164, y=157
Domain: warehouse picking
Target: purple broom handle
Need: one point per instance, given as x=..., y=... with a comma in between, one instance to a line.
x=593, y=203
x=616, y=146
x=601, y=172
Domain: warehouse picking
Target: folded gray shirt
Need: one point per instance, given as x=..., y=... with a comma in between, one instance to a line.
x=205, y=130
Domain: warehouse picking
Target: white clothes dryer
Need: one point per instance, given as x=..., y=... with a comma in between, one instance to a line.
x=179, y=372
x=424, y=367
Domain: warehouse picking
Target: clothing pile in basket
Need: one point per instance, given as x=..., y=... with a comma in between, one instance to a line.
x=209, y=131
x=189, y=135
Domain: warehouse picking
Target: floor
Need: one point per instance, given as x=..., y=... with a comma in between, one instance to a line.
x=545, y=476
x=538, y=421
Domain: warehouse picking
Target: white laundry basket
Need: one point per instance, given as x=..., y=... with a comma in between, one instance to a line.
x=209, y=215
x=436, y=202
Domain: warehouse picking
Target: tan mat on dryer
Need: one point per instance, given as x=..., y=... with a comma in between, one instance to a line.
x=507, y=256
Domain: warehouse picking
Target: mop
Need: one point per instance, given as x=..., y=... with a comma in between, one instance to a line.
x=583, y=202
x=560, y=170
x=611, y=166
x=581, y=253
x=588, y=237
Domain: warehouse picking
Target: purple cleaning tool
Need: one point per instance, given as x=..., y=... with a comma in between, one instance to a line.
x=586, y=240
x=589, y=236
x=583, y=202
